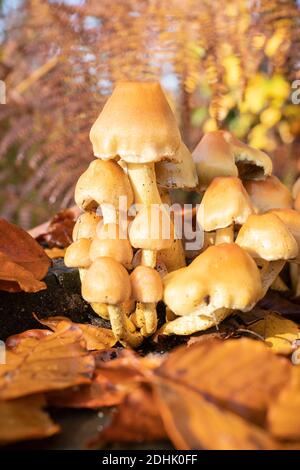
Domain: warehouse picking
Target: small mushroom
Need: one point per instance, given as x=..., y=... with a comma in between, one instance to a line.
x=107, y=282
x=86, y=226
x=267, y=239
x=183, y=175
x=147, y=290
x=151, y=230
x=268, y=194
x=221, y=279
x=219, y=153
x=77, y=254
x=103, y=184
x=224, y=204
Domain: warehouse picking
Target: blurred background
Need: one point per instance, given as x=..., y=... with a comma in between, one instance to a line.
x=223, y=64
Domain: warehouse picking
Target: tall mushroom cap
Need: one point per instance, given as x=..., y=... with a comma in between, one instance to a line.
x=225, y=202
x=152, y=229
x=86, y=226
x=104, y=182
x=172, y=175
x=223, y=276
x=77, y=254
x=146, y=285
x=120, y=250
x=137, y=125
x=213, y=157
x=265, y=236
x=106, y=281
x=269, y=194
x=252, y=163
x=290, y=218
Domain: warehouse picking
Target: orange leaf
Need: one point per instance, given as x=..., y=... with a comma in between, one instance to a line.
x=193, y=422
x=243, y=374
x=24, y=418
x=38, y=361
x=13, y=275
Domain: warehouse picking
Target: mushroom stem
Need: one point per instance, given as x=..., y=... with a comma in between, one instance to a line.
x=148, y=258
x=101, y=310
x=121, y=329
x=269, y=272
x=143, y=181
x=146, y=317
x=279, y=285
x=294, y=275
x=225, y=235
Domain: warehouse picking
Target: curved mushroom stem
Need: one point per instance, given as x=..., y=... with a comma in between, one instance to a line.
x=146, y=317
x=121, y=327
x=224, y=235
x=269, y=272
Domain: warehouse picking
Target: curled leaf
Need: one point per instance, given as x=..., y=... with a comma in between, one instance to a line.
x=14, y=277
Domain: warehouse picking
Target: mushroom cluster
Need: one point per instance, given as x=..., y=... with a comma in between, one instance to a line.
x=125, y=242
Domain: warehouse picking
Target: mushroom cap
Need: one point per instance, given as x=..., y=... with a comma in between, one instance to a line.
x=120, y=250
x=269, y=194
x=252, y=163
x=136, y=124
x=290, y=218
x=265, y=236
x=77, y=254
x=219, y=153
x=104, y=182
x=225, y=202
x=213, y=157
x=178, y=175
x=223, y=276
x=146, y=285
x=152, y=229
x=106, y=281
x=86, y=225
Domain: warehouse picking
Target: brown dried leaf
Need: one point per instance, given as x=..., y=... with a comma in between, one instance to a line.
x=243, y=375
x=39, y=360
x=22, y=249
x=276, y=303
x=193, y=422
x=96, y=338
x=283, y=415
x=24, y=418
x=59, y=231
x=112, y=381
x=279, y=333
x=136, y=420
x=15, y=278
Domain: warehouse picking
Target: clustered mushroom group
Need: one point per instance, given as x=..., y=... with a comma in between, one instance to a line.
x=126, y=244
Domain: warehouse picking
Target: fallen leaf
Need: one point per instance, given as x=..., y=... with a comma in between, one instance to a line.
x=22, y=249
x=136, y=420
x=59, y=230
x=279, y=333
x=96, y=337
x=24, y=419
x=283, y=415
x=112, y=381
x=194, y=422
x=243, y=375
x=39, y=360
x=276, y=303
x=14, y=277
